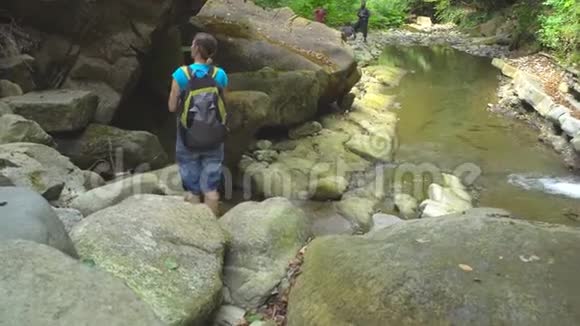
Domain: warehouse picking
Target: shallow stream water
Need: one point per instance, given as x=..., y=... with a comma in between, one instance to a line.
x=444, y=122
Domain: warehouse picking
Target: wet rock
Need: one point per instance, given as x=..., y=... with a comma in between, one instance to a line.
x=305, y=130
x=17, y=69
x=113, y=193
x=42, y=169
x=407, y=205
x=169, y=252
x=8, y=88
x=556, y=113
x=265, y=237
x=69, y=217
x=14, y=128
x=126, y=148
x=522, y=279
x=26, y=215
x=56, y=110
x=39, y=285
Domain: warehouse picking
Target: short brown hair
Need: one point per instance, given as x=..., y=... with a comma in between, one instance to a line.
x=206, y=43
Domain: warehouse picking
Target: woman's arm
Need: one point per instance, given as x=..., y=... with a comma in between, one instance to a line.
x=173, y=97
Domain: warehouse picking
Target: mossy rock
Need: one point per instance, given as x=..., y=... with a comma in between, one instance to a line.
x=440, y=271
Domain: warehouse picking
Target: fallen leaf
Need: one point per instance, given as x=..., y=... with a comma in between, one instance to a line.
x=466, y=268
x=171, y=264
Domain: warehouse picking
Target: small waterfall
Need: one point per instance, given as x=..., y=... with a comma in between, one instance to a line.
x=566, y=186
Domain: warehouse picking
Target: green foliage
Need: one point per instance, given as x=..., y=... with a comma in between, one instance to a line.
x=384, y=13
x=560, y=25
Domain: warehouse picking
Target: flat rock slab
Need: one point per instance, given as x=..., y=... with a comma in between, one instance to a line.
x=41, y=286
x=56, y=110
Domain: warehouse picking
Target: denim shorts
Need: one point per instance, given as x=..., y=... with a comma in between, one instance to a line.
x=201, y=171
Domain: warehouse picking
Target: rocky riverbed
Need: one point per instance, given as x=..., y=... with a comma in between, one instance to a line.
x=89, y=207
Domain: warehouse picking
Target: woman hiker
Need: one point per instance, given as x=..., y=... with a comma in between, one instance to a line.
x=197, y=94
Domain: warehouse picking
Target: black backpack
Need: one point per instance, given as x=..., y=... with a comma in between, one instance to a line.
x=202, y=120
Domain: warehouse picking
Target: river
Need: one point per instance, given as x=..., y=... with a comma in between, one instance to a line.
x=444, y=121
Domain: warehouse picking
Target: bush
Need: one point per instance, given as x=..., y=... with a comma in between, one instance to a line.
x=560, y=25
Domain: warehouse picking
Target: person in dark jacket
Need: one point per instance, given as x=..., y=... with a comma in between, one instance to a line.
x=362, y=25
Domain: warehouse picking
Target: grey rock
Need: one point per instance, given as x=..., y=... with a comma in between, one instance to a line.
x=18, y=69
x=556, y=112
x=5, y=109
x=229, y=315
x=407, y=205
x=139, y=150
x=482, y=212
x=570, y=125
x=24, y=214
x=56, y=110
x=307, y=129
x=576, y=143
x=263, y=144
x=42, y=169
x=93, y=180
x=267, y=155
x=15, y=128
x=69, y=217
x=382, y=221
x=41, y=286
x=522, y=274
x=8, y=88
x=264, y=238
x=109, y=99
x=113, y=193
x=358, y=210
x=169, y=252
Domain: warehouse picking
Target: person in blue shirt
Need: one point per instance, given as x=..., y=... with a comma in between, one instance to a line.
x=200, y=170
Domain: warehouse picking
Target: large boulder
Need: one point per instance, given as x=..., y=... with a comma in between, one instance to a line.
x=465, y=270
x=15, y=128
x=252, y=38
x=56, y=110
x=26, y=215
x=123, y=149
x=41, y=286
x=264, y=238
x=17, y=69
x=42, y=169
x=286, y=108
x=8, y=88
x=110, y=39
x=168, y=251
x=113, y=193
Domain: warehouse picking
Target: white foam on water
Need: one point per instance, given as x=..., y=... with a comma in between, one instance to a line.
x=567, y=186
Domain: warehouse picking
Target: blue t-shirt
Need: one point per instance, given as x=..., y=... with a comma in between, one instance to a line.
x=200, y=69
